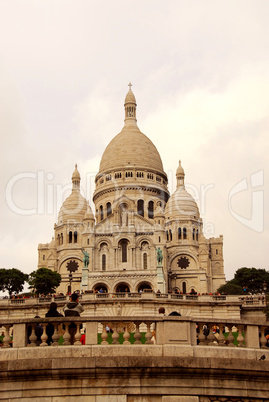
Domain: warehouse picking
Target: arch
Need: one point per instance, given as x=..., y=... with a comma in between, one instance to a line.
x=151, y=209
x=100, y=288
x=183, y=252
x=122, y=287
x=108, y=209
x=140, y=207
x=143, y=285
x=101, y=240
x=70, y=235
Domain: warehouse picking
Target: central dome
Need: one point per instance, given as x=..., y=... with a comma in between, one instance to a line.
x=130, y=148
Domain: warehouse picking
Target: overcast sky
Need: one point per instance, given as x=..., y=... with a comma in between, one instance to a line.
x=200, y=74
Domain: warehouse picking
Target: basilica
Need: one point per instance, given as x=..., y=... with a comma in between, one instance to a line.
x=139, y=238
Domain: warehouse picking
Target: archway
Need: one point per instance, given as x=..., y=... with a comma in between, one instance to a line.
x=144, y=286
x=184, y=288
x=100, y=288
x=122, y=287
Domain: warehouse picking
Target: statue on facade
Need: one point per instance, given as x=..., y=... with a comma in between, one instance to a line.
x=159, y=256
x=86, y=258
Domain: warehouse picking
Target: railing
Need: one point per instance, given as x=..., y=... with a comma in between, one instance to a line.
x=159, y=330
x=243, y=300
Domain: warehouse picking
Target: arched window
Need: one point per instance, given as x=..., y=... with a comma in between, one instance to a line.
x=150, y=209
x=123, y=244
x=108, y=209
x=88, y=241
x=75, y=237
x=103, y=262
x=140, y=207
x=193, y=234
x=70, y=237
x=184, y=287
x=179, y=233
x=184, y=233
x=59, y=240
x=167, y=235
x=197, y=234
x=145, y=261
x=62, y=238
x=101, y=212
x=170, y=234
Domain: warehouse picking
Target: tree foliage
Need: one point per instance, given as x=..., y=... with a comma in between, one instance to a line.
x=249, y=280
x=44, y=281
x=230, y=289
x=12, y=280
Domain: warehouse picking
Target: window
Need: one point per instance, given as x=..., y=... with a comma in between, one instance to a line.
x=101, y=212
x=129, y=174
x=184, y=233
x=167, y=235
x=150, y=176
x=43, y=258
x=124, y=250
x=140, y=207
x=150, y=210
x=179, y=233
x=75, y=237
x=184, y=287
x=70, y=237
x=140, y=174
x=117, y=175
x=193, y=234
x=197, y=234
x=145, y=261
x=170, y=234
x=88, y=241
x=62, y=238
x=108, y=177
x=59, y=240
x=108, y=209
x=217, y=251
x=159, y=239
x=103, y=262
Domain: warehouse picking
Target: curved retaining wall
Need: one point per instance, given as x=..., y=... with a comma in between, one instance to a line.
x=106, y=373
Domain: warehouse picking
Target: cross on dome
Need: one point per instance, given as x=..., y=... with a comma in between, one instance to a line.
x=130, y=86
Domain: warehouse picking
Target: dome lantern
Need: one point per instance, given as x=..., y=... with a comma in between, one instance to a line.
x=130, y=107
x=180, y=174
x=76, y=179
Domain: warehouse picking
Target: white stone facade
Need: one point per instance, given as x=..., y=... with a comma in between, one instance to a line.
x=134, y=217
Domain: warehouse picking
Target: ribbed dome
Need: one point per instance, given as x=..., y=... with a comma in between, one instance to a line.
x=181, y=203
x=130, y=148
x=74, y=208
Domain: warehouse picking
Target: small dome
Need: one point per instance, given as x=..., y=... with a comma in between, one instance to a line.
x=89, y=214
x=74, y=208
x=181, y=203
x=159, y=212
x=130, y=98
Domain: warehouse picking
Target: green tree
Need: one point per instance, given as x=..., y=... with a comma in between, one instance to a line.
x=12, y=280
x=252, y=280
x=249, y=280
x=44, y=281
x=231, y=289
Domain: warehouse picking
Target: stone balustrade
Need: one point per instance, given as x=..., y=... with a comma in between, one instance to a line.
x=244, y=300
x=161, y=330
